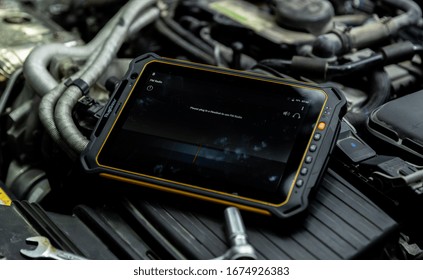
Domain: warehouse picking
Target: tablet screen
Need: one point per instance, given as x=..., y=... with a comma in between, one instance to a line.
x=213, y=130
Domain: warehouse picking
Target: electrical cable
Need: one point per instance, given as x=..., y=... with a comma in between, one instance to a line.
x=184, y=44
x=188, y=36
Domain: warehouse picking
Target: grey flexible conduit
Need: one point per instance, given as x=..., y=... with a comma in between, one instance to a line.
x=63, y=110
x=48, y=103
x=36, y=64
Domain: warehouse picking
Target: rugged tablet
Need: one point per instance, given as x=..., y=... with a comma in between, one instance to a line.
x=231, y=137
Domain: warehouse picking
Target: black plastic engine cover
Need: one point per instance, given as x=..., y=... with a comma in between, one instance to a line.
x=341, y=224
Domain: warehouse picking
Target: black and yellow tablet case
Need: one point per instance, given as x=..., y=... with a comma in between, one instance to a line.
x=236, y=138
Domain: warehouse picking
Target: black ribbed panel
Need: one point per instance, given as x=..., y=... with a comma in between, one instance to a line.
x=341, y=224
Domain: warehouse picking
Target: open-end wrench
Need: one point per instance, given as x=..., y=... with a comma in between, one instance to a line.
x=240, y=248
x=45, y=250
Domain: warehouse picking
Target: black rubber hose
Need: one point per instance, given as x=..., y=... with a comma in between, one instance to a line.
x=335, y=43
x=380, y=90
x=363, y=65
x=188, y=36
x=321, y=69
x=187, y=46
x=329, y=45
x=412, y=11
x=266, y=70
x=281, y=65
x=379, y=94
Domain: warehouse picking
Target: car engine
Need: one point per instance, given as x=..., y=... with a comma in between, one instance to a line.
x=370, y=198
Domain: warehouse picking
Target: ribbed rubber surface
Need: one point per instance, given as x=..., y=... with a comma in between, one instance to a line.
x=341, y=224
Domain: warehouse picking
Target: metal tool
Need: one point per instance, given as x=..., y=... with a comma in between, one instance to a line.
x=240, y=248
x=45, y=250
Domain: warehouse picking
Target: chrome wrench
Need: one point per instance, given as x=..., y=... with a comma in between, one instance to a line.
x=45, y=250
x=240, y=248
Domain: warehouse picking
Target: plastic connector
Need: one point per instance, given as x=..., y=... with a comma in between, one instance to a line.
x=396, y=173
x=86, y=113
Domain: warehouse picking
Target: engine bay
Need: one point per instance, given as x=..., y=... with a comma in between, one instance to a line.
x=63, y=62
